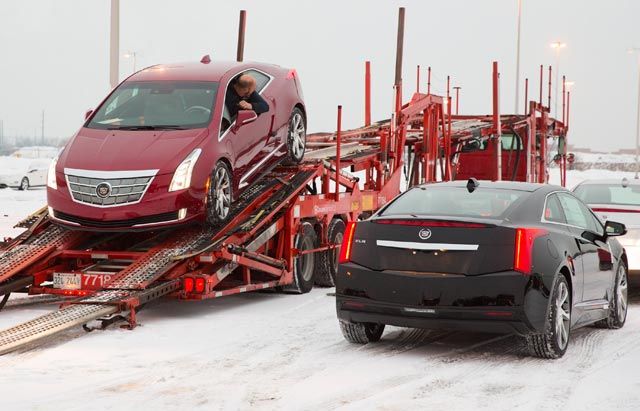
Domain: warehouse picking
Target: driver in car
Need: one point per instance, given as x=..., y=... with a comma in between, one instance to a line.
x=242, y=95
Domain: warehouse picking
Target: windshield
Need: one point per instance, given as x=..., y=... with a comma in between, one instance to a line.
x=454, y=202
x=608, y=194
x=157, y=104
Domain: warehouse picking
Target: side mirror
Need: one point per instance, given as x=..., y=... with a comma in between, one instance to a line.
x=614, y=229
x=244, y=117
x=591, y=236
x=88, y=114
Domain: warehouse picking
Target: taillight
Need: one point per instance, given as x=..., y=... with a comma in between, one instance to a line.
x=430, y=223
x=199, y=287
x=187, y=284
x=523, y=252
x=292, y=74
x=347, y=243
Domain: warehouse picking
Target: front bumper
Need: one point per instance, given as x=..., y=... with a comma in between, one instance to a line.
x=506, y=302
x=157, y=208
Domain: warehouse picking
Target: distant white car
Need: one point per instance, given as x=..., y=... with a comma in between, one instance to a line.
x=617, y=200
x=34, y=176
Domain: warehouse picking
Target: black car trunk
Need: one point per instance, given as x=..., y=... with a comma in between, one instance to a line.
x=461, y=246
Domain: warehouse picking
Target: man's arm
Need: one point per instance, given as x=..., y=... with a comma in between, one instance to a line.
x=258, y=104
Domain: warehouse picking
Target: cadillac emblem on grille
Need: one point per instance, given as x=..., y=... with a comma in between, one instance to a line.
x=103, y=190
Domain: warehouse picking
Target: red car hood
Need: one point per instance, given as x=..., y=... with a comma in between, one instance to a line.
x=117, y=150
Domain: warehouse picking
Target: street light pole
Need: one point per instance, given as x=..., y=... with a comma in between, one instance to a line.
x=636, y=50
x=114, y=43
x=517, y=106
x=131, y=54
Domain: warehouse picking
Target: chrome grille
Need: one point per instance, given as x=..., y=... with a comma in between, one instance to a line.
x=123, y=190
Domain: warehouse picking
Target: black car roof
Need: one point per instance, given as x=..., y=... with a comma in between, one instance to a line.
x=500, y=185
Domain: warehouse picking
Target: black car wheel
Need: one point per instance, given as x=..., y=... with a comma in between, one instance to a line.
x=220, y=195
x=555, y=339
x=24, y=184
x=328, y=264
x=618, y=307
x=297, y=137
x=361, y=333
x=304, y=265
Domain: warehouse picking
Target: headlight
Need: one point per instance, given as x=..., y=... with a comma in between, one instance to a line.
x=51, y=175
x=182, y=177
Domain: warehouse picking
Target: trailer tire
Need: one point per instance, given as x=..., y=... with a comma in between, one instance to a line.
x=303, y=265
x=328, y=260
x=296, y=137
x=24, y=184
x=361, y=333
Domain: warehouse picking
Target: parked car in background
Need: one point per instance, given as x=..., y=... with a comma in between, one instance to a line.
x=164, y=149
x=617, y=200
x=529, y=259
x=35, y=175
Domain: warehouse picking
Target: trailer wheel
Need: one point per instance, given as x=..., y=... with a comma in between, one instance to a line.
x=328, y=260
x=303, y=265
x=24, y=184
x=361, y=333
x=296, y=137
x=220, y=195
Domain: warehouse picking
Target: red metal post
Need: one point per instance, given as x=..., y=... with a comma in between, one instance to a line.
x=564, y=96
x=497, y=126
x=526, y=94
x=541, y=80
x=549, y=96
x=338, y=146
x=429, y=80
x=241, y=30
x=566, y=127
x=367, y=93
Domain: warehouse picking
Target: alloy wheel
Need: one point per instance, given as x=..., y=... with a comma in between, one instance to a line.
x=563, y=315
x=297, y=136
x=222, y=193
x=621, y=294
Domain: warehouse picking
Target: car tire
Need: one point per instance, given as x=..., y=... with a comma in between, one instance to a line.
x=328, y=260
x=24, y=184
x=618, y=307
x=296, y=137
x=361, y=333
x=557, y=329
x=220, y=195
x=303, y=265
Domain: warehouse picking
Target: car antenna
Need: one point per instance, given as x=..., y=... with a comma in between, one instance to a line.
x=472, y=184
x=205, y=59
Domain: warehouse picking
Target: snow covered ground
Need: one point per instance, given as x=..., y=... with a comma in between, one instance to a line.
x=273, y=351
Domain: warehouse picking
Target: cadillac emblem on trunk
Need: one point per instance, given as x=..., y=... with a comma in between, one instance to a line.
x=424, y=234
x=103, y=190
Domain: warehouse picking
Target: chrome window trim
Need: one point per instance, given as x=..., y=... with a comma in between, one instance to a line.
x=544, y=220
x=107, y=175
x=221, y=137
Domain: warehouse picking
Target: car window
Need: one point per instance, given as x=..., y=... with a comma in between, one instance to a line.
x=454, y=201
x=553, y=210
x=578, y=214
x=261, y=81
x=609, y=194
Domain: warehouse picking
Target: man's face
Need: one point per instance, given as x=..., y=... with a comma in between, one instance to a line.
x=242, y=91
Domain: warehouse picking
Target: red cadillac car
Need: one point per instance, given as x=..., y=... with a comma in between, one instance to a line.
x=166, y=147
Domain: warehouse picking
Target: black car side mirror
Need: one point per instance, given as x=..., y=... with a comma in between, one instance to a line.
x=88, y=114
x=244, y=117
x=591, y=236
x=614, y=229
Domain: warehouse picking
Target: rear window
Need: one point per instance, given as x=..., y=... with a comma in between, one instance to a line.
x=454, y=202
x=608, y=194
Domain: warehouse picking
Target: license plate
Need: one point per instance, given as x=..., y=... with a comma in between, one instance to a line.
x=67, y=281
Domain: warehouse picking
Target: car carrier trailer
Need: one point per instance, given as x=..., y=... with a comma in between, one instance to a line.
x=285, y=230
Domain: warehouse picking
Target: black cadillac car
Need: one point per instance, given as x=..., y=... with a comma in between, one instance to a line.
x=504, y=257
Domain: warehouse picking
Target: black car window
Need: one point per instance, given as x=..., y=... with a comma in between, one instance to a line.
x=553, y=210
x=261, y=79
x=455, y=202
x=578, y=214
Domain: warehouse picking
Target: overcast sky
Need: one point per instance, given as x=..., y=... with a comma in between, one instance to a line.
x=55, y=54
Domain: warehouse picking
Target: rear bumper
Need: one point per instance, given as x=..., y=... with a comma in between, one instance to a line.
x=505, y=302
